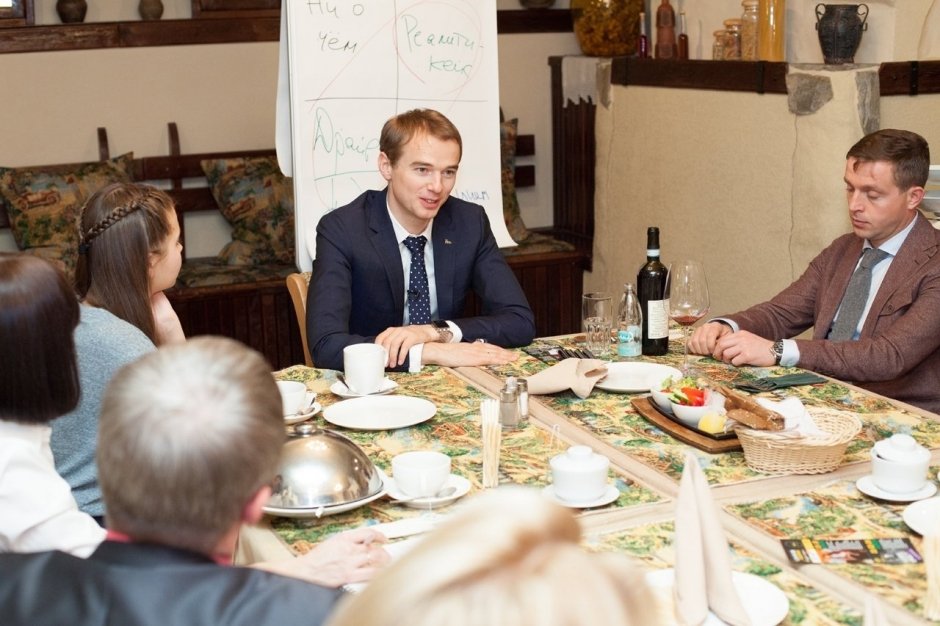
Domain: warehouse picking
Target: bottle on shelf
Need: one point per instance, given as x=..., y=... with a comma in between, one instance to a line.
x=749, y=20
x=643, y=41
x=651, y=284
x=630, y=324
x=718, y=46
x=682, y=41
x=771, y=31
x=733, y=39
x=666, y=47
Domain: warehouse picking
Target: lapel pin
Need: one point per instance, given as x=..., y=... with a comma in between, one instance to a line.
x=447, y=242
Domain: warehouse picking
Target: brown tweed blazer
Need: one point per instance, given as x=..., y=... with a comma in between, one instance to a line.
x=898, y=352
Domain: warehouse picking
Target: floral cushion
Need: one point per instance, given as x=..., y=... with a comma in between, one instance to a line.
x=44, y=203
x=258, y=201
x=211, y=272
x=508, y=131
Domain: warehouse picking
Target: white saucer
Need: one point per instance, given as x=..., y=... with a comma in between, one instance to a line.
x=764, y=602
x=340, y=389
x=461, y=484
x=609, y=496
x=296, y=418
x=921, y=517
x=866, y=485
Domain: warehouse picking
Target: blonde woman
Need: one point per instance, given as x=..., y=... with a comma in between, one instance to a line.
x=511, y=558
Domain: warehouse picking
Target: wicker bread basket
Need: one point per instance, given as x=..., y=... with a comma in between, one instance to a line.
x=766, y=452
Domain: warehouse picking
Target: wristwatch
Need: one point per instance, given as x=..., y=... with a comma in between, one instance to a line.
x=443, y=330
x=776, y=351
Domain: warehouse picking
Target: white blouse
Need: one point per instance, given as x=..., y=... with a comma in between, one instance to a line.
x=39, y=512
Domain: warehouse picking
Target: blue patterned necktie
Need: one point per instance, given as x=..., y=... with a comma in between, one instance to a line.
x=856, y=295
x=419, y=299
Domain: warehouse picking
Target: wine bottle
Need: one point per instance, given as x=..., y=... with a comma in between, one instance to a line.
x=643, y=42
x=651, y=284
x=683, y=39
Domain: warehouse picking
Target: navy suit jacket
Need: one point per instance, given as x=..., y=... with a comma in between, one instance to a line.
x=357, y=288
x=136, y=584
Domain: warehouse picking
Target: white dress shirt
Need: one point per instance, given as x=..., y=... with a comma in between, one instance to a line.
x=416, y=352
x=38, y=510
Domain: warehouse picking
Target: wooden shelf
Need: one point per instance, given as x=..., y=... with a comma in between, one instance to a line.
x=88, y=36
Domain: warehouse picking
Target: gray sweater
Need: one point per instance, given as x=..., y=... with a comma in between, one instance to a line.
x=104, y=343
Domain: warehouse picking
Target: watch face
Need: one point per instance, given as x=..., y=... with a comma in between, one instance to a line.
x=440, y=324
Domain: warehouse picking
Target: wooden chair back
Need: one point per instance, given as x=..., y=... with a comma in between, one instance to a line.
x=297, y=287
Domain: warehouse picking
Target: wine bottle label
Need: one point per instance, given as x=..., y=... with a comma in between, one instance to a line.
x=628, y=341
x=658, y=326
x=652, y=253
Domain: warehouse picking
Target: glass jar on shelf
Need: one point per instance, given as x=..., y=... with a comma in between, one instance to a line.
x=749, y=20
x=606, y=28
x=718, y=46
x=771, y=30
x=733, y=39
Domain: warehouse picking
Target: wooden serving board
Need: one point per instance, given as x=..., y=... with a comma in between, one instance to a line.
x=647, y=409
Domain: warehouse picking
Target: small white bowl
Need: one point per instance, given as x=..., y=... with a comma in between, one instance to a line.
x=661, y=399
x=690, y=415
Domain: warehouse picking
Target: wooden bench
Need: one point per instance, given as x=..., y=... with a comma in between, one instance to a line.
x=253, y=306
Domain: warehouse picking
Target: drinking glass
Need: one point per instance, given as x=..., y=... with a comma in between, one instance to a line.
x=687, y=297
x=597, y=318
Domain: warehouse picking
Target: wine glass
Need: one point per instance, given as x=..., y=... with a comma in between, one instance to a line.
x=686, y=296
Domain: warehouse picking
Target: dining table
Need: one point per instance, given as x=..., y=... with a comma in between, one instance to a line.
x=757, y=510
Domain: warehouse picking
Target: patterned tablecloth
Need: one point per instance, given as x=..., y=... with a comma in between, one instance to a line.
x=652, y=545
x=639, y=522
x=454, y=430
x=611, y=418
x=837, y=510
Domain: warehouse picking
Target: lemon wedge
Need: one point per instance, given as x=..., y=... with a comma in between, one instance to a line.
x=712, y=423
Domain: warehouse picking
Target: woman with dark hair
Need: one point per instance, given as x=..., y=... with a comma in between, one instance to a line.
x=129, y=253
x=38, y=383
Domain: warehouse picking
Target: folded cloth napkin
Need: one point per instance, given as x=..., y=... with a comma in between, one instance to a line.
x=797, y=421
x=703, y=565
x=874, y=616
x=578, y=375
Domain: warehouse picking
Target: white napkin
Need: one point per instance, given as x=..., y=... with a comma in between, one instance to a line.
x=874, y=616
x=703, y=565
x=578, y=375
x=797, y=420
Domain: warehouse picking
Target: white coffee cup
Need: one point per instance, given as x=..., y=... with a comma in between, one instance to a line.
x=293, y=396
x=364, y=367
x=899, y=464
x=420, y=473
x=579, y=474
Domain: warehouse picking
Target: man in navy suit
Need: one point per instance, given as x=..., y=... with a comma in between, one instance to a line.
x=365, y=286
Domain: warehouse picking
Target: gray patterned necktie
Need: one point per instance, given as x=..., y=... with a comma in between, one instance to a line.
x=419, y=297
x=856, y=295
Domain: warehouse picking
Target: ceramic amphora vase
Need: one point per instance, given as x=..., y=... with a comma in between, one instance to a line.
x=840, y=28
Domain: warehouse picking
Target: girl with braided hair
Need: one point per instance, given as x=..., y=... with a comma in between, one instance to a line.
x=129, y=252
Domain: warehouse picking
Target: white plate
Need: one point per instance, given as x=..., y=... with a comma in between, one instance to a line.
x=461, y=484
x=296, y=418
x=609, y=496
x=635, y=377
x=379, y=412
x=867, y=485
x=923, y=517
x=764, y=602
x=327, y=510
x=340, y=389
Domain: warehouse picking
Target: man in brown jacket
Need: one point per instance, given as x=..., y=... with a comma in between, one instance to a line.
x=888, y=340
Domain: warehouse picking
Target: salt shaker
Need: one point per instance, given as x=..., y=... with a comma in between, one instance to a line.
x=509, y=404
x=523, y=386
